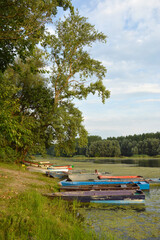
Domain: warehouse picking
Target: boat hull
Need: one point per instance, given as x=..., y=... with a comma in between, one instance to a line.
x=120, y=202
x=60, y=175
x=131, y=186
x=82, y=177
x=101, y=177
x=57, y=169
x=144, y=185
x=88, y=196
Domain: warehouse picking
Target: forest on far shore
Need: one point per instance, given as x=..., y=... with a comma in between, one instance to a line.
x=142, y=144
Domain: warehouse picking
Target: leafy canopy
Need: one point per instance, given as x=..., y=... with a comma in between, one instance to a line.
x=74, y=73
x=22, y=26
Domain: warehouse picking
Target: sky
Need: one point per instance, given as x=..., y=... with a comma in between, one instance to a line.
x=132, y=58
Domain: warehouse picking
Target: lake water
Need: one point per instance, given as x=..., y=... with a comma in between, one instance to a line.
x=137, y=162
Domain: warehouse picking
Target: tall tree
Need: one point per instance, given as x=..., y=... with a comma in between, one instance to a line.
x=74, y=73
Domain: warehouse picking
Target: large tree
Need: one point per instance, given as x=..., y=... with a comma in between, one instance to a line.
x=75, y=74
x=22, y=25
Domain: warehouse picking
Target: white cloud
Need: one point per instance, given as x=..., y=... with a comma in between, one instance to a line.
x=149, y=100
x=135, y=88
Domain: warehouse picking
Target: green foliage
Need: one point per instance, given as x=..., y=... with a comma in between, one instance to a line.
x=22, y=25
x=104, y=148
x=142, y=144
x=26, y=108
x=72, y=64
x=35, y=112
x=67, y=125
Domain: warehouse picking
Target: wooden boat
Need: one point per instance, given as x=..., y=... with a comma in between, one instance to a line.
x=37, y=164
x=82, y=177
x=88, y=196
x=124, y=179
x=60, y=175
x=119, y=177
x=57, y=169
x=29, y=163
x=130, y=186
x=144, y=185
x=62, y=166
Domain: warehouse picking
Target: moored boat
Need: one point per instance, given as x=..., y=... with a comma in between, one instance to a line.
x=119, y=177
x=144, y=185
x=88, y=196
x=82, y=177
x=120, y=202
x=70, y=167
x=60, y=168
x=130, y=186
x=57, y=169
x=59, y=174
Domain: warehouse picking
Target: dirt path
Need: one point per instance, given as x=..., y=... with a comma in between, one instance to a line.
x=15, y=181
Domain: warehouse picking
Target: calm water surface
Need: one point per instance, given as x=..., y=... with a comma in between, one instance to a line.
x=138, y=162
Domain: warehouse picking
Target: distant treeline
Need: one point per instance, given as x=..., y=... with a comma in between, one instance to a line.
x=142, y=144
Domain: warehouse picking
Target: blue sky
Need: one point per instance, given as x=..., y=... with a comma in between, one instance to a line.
x=132, y=58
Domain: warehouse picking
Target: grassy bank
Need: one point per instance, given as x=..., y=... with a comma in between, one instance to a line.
x=27, y=214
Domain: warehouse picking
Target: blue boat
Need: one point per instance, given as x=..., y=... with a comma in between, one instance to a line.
x=144, y=185
x=120, y=202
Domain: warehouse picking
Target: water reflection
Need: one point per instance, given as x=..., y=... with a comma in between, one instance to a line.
x=133, y=162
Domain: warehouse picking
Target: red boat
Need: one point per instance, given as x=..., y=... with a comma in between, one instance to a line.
x=118, y=177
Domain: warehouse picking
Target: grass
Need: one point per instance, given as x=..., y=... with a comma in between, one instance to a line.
x=26, y=214
x=32, y=216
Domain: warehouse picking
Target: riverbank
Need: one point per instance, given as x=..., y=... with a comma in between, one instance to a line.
x=27, y=214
